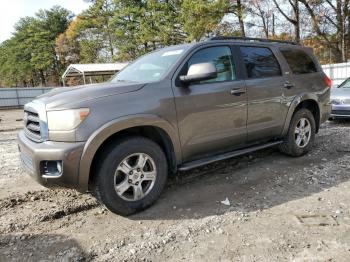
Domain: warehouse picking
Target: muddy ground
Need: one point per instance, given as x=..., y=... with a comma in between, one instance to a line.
x=280, y=209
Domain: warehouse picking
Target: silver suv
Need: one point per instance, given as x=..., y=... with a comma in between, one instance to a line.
x=175, y=109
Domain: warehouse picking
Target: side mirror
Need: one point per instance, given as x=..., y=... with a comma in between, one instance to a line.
x=200, y=72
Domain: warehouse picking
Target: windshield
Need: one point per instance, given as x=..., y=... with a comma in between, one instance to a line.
x=345, y=84
x=149, y=68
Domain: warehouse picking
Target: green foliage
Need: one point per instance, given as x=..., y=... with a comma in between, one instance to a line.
x=109, y=30
x=201, y=17
x=122, y=30
x=29, y=57
x=143, y=26
x=95, y=33
x=67, y=48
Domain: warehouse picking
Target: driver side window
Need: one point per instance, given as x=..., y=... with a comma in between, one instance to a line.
x=221, y=57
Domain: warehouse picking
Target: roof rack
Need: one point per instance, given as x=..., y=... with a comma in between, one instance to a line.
x=251, y=39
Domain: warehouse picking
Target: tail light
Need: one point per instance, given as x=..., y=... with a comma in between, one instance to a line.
x=327, y=81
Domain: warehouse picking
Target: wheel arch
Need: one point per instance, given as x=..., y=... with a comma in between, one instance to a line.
x=308, y=101
x=149, y=126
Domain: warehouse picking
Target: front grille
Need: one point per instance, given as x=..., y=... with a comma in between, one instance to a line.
x=32, y=125
x=341, y=112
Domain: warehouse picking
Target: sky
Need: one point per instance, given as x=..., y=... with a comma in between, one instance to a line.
x=13, y=10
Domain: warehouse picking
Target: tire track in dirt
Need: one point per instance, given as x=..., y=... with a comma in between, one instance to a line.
x=59, y=203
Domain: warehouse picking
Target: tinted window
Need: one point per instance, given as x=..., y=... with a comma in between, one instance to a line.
x=299, y=62
x=260, y=62
x=221, y=57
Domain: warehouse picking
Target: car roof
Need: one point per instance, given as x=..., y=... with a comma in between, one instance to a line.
x=239, y=41
x=253, y=40
x=257, y=42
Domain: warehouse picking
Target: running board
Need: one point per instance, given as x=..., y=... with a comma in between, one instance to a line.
x=208, y=160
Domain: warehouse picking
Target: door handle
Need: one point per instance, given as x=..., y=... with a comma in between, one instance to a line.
x=288, y=85
x=237, y=91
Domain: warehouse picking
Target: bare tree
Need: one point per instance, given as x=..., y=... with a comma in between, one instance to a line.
x=237, y=9
x=294, y=18
x=341, y=10
x=329, y=18
x=264, y=11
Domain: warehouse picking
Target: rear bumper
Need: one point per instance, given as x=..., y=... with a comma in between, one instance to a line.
x=34, y=154
x=340, y=111
x=325, y=113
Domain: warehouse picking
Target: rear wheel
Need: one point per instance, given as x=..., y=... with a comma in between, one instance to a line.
x=301, y=134
x=131, y=175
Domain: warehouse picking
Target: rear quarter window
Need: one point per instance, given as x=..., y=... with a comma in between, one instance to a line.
x=299, y=61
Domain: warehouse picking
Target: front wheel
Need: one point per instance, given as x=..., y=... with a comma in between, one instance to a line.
x=301, y=134
x=131, y=175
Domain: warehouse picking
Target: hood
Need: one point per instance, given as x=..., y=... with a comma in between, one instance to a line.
x=340, y=93
x=63, y=97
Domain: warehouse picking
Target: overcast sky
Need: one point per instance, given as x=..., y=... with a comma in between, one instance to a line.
x=13, y=10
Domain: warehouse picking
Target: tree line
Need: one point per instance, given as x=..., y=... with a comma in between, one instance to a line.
x=42, y=46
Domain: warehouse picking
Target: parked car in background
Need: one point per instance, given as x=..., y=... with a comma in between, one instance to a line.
x=340, y=100
x=174, y=109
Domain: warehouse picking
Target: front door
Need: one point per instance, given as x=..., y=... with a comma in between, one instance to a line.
x=212, y=114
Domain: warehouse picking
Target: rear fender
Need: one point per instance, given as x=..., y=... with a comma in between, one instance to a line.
x=293, y=105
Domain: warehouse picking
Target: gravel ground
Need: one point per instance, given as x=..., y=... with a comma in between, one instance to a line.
x=11, y=120
x=277, y=208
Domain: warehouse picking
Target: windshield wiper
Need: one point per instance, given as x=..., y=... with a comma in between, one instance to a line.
x=125, y=81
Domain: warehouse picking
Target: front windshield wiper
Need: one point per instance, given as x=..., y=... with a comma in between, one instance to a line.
x=124, y=81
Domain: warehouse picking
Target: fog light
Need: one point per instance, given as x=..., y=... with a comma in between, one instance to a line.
x=51, y=169
x=59, y=167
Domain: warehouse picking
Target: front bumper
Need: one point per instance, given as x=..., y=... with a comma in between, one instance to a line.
x=34, y=154
x=340, y=111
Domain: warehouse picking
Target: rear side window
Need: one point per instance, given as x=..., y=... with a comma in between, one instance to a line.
x=299, y=62
x=260, y=62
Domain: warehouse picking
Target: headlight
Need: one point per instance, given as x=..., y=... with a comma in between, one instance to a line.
x=65, y=120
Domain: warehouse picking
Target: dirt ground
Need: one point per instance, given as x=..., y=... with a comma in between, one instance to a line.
x=278, y=209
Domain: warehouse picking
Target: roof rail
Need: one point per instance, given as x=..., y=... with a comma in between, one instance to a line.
x=251, y=39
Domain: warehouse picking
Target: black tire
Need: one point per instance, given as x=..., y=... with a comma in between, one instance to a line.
x=289, y=145
x=104, y=180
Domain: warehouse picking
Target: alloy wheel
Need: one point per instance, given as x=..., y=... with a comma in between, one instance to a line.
x=135, y=176
x=302, y=132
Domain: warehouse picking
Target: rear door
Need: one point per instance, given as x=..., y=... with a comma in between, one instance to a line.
x=264, y=82
x=304, y=75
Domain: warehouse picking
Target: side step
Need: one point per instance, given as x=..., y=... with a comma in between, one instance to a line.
x=208, y=160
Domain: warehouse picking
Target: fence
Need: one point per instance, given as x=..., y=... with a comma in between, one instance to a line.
x=17, y=97
x=337, y=72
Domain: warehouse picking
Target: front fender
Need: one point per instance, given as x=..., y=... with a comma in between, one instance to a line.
x=115, y=126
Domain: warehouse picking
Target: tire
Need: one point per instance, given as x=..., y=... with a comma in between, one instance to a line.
x=292, y=145
x=113, y=173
